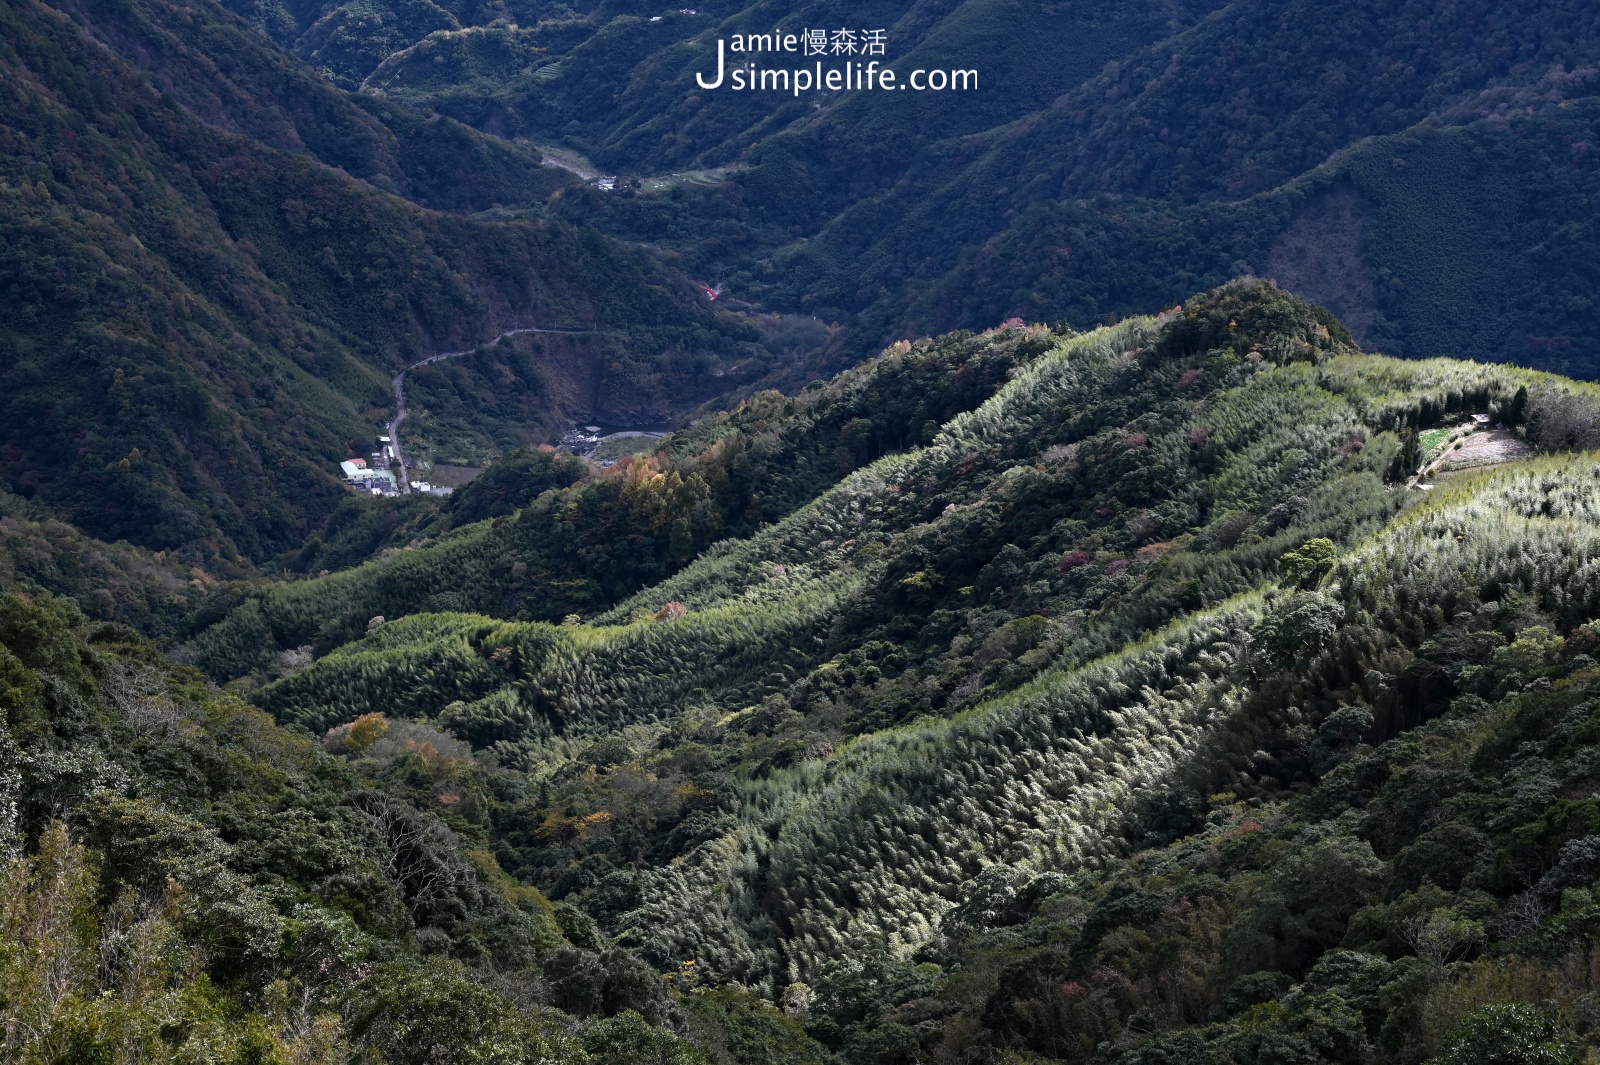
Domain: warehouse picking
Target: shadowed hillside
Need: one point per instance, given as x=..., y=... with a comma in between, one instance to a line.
x=198, y=326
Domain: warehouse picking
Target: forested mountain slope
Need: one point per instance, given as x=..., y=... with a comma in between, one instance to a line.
x=1468, y=241
x=1195, y=687
x=1424, y=168
x=595, y=539
x=150, y=592
x=202, y=308
x=233, y=80
x=617, y=79
x=913, y=757
x=185, y=881
x=1219, y=150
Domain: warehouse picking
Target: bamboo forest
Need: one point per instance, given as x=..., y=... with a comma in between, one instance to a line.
x=1195, y=688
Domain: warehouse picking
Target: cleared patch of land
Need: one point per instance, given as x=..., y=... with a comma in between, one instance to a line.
x=703, y=178
x=446, y=476
x=1488, y=448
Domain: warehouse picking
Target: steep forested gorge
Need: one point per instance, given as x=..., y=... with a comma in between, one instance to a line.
x=203, y=306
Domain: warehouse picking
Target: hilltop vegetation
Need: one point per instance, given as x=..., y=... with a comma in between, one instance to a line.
x=1138, y=714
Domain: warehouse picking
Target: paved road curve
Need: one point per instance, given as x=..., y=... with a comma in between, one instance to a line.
x=400, y=393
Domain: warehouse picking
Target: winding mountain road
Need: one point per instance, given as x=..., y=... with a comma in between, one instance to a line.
x=400, y=393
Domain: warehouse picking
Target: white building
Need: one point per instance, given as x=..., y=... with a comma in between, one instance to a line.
x=363, y=477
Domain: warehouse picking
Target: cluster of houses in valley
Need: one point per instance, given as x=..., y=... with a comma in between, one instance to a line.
x=375, y=474
x=363, y=477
